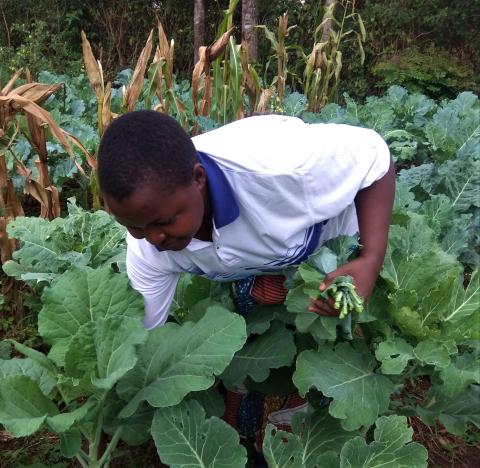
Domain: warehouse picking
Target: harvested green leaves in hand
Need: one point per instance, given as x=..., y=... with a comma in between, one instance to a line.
x=346, y=300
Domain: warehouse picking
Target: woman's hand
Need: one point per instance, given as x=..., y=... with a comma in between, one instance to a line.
x=364, y=271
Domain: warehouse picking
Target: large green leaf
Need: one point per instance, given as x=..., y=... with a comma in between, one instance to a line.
x=104, y=350
x=46, y=381
x=23, y=406
x=84, y=295
x=176, y=360
x=459, y=179
x=96, y=235
x=413, y=260
x=261, y=317
x=462, y=372
x=64, y=421
x=41, y=243
x=392, y=447
x=347, y=374
x=454, y=413
x=282, y=449
x=194, y=293
x=434, y=353
x=463, y=303
x=315, y=439
x=394, y=355
x=50, y=247
x=319, y=434
x=70, y=442
x=135, y=429
x=272, y=350
x=185, y=438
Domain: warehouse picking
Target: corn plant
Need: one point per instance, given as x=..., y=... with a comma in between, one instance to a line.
x=103, y=93
x=16, y=102
x=217, y=89
x=162, y=81
x=278, y=45
x=324, y=63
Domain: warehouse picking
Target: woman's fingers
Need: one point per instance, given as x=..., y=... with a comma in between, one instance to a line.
x=321, y=307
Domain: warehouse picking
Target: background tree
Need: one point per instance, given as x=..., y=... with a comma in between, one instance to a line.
x=198, y=26
x=249, y=20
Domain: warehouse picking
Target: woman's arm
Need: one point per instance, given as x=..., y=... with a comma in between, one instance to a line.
x=374, y=210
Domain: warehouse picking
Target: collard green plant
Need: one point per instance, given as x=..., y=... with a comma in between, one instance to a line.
x=49, y=248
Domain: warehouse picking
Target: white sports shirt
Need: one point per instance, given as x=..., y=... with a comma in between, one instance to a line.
x=279, y=188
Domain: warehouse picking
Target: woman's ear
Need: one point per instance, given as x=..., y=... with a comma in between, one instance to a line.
x=199, y=176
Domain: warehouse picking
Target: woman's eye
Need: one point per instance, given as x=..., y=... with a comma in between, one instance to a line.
x=165, y=223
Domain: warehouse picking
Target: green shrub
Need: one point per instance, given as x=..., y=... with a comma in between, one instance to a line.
x=39, y=50
x=433, y=72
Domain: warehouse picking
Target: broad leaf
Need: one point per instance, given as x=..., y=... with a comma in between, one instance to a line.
x=454, y=413
x=41, y=243
x=392, y=447
x=272, y=350
x=70, y=442
x=23, y=406
x=347, y=374
x=261, y=317
x=319, y=434
x=185, y=438
x=433, y=353
x=176, y=360
x=462, y=372
x=282, y=449
x=316, y=438
x=135, y=429
x=104, y=350
x=394, y=355
x=46, y=381
x=64, y=421
x=81, y=296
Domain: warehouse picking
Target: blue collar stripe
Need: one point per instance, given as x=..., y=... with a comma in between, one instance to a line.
x=224, y=206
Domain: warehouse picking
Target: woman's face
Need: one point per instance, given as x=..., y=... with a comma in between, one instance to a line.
x=168, y=220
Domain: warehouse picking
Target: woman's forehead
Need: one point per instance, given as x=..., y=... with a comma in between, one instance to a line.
x=147, y=205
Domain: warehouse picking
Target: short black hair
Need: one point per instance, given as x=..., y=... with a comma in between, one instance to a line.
x=143, y=147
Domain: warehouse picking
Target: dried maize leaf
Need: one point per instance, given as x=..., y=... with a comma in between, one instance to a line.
x=19, y=102
x=10, y=206
x=163, y=45
x=106, y=113
x=37, y=136
x=282, y=25
x=157, y=55
x=264, y=101
x=9, y=86
x=36, y=92
x=136, y=84
x=33, y=188
x=159, y=82
x=218, y=47
x=93, y=67
x=50, y=209
x=7, y=246
x=200, y=67
x=338, y=65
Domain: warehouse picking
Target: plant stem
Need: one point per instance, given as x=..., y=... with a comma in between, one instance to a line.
x=93, y=449
x=83, y=455
x=81, y=461
x=110, y=448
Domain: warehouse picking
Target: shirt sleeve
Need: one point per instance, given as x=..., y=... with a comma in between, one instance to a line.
x=156, y=286
x=345, y=160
